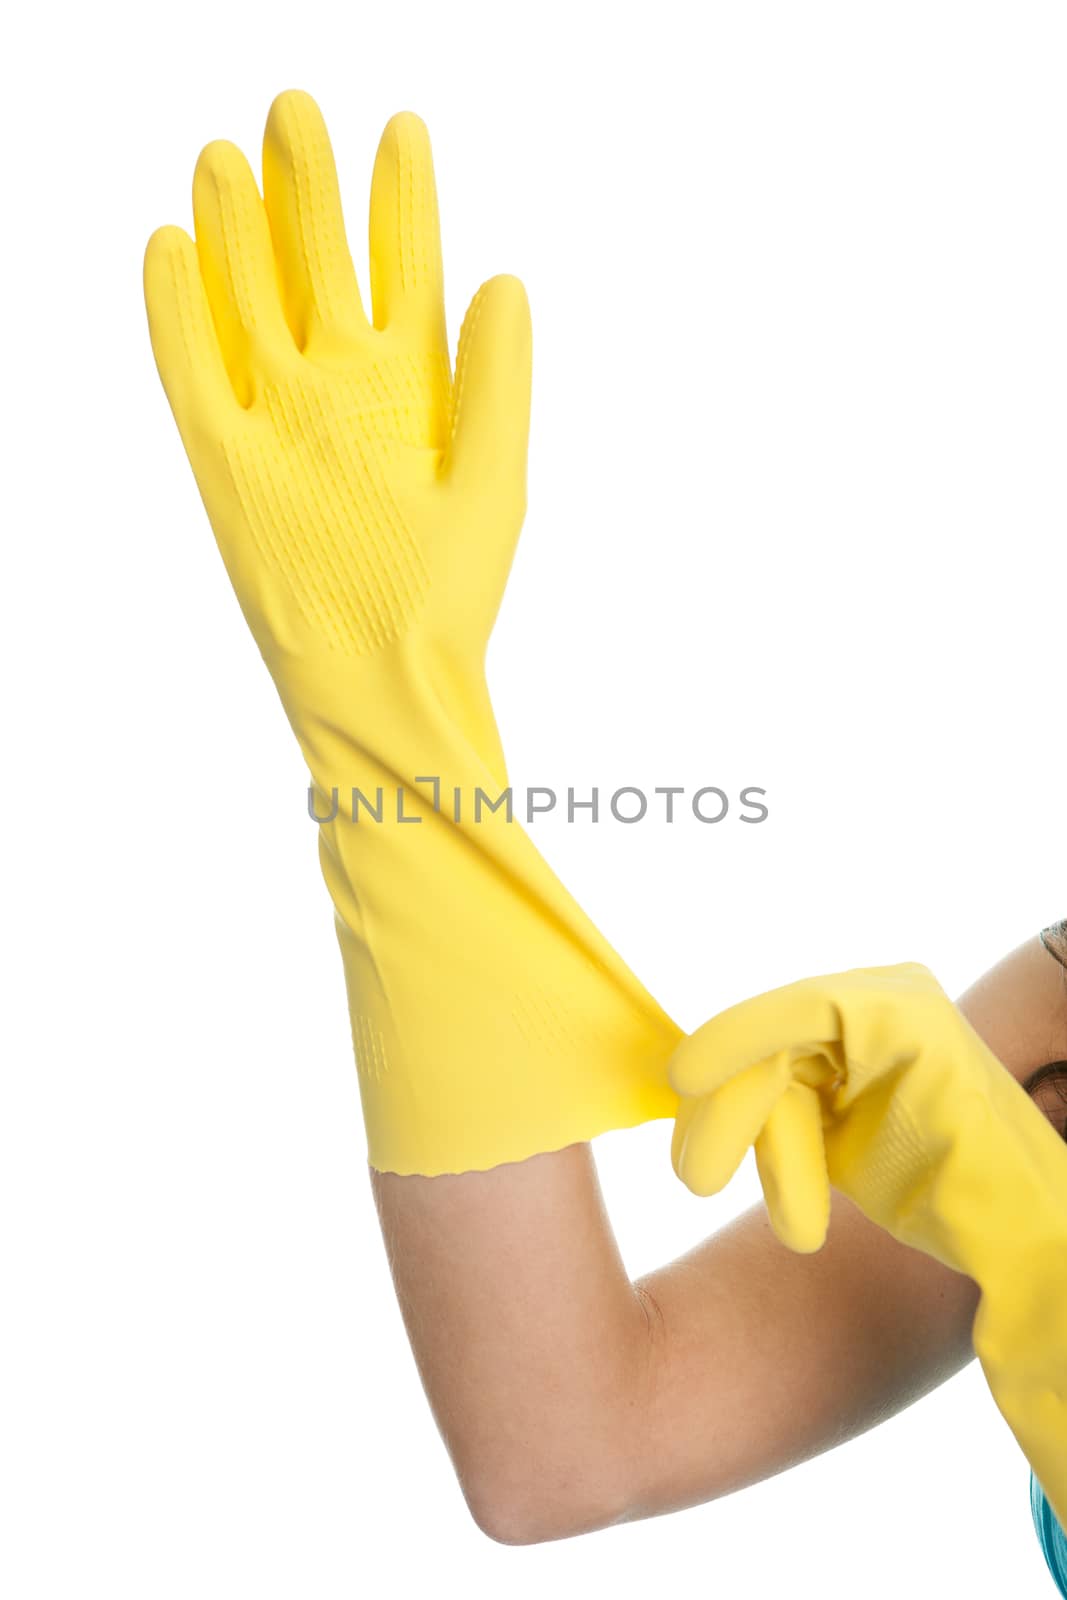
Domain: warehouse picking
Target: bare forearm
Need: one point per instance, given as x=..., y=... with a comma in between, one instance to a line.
x=531, y=1342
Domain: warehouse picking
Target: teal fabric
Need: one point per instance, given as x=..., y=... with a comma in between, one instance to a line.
x=1050, y=1535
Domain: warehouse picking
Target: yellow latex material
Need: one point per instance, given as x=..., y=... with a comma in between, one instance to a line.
x=874, y=1082
x=366, y=505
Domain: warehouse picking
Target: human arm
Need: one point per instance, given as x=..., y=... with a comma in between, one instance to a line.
x=570, y=1398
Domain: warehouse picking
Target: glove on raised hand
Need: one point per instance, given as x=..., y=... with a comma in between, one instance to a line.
x=366, y=503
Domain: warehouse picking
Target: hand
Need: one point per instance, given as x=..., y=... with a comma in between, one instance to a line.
x=365, y=504
x=869, y=1080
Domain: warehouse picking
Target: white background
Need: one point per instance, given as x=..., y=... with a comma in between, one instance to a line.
x=799, y=284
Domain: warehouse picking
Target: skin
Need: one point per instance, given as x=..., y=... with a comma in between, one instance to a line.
x=570, y=1398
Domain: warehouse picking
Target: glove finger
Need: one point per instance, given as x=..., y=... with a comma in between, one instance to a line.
x=491, y=402
x=184, y=340
x=303, y=203
x=791, y=1162
x=721, y=1127
x=237, y=263
x=800, y=1017
x=407, y=280
x=682, y=1119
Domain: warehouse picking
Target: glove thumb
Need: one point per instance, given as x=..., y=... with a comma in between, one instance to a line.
x=491, y=396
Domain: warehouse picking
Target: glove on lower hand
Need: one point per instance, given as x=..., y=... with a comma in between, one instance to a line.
x=874, y=1082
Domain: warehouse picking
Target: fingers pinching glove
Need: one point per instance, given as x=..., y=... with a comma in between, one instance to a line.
x=873, y=1082
x=366, y=502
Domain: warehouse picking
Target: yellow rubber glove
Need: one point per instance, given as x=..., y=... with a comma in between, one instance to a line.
x=874, y=1082
x=366, y=505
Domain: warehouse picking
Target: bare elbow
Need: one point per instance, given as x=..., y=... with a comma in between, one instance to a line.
x=535, y=1473
x=538, y=1505
x=505, y=1523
